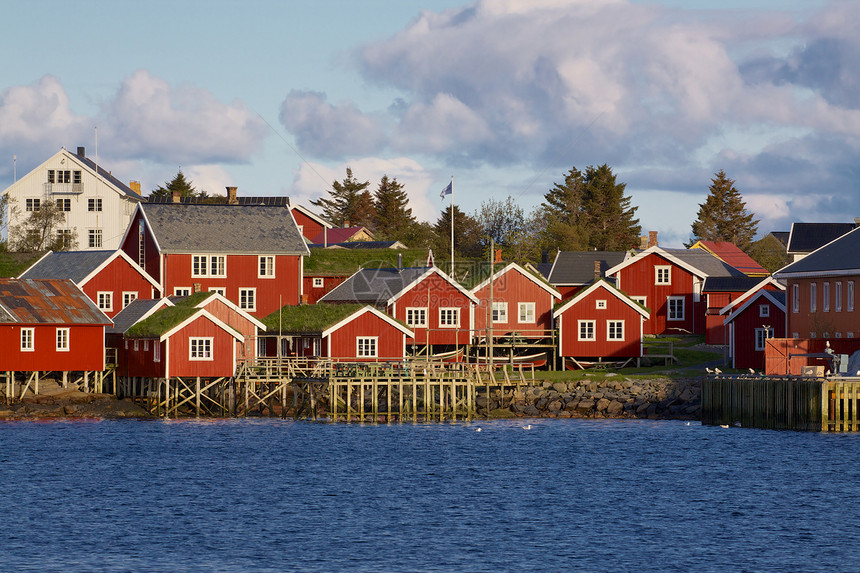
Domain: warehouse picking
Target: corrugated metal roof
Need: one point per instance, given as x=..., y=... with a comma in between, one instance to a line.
x=32, y=301
x=74, y=265
x=207, y=228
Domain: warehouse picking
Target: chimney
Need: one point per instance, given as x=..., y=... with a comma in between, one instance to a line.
x=497, y=257
x=82, y=152
x=399, y=261
x=544, y=257
x=197, y=287
x=346, y=224
x=134, y=186
x=177, y=197
x=652, y=239
x=232, y=198
x=597, y=273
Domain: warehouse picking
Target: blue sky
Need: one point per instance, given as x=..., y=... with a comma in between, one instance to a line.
x=506, y=96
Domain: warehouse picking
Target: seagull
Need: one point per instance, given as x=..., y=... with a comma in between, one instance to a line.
x=752, y=371
x=478, y=430
x=527, y=427
x=687, y=424
x=724, y=425
x=717, y=371
x=708, y=370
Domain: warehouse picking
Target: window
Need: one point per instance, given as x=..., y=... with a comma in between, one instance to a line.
x=94, y=205
x=208, y=265
x=663, y=275
x=500, y=312
x=449, y=317
x=319, y=282
x=146, y=345
x=266, y=267
x=64, y=205
x=128, y=297
x=600, y=304
x=136, y=345
x=33, y=205
x=105, y=301
x=141, y=243
x=62, y=340
x=643, y=300
x=219, y=290
x=675, y=306
x=527, y=312
x=76, y=179
x=248, y=299
x=64, y=238
x=366, y=346
x=849, y=296
x=94, y=239
x=181, y=291
x=763, y=310
x=837, y=297
x=416, y=317
x=156, y=351
x=586, y=330
x=200, y=348
x=825, y=297
x=62, y=176
x=761, y=334
x=813, y=295
x=795, y=298
x=27, y=344
x=614, y=330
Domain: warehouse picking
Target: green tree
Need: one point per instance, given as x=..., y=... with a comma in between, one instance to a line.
x=560, y=214
x=178, y=183
x=724, y=216
x=392, y=216
x=40, y=231
x=503, y=221
x=607, y=214
x=350, y=202
x=467, y=235
x=769, y=252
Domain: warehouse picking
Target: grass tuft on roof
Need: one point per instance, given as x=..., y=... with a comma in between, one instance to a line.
x=308, y=318
x=158, y=324
x=348, y=261
x=191, y=300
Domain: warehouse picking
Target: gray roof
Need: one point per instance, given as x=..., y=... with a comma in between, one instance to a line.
x=205, y=228
x=361, y=245
x=130, y=315
x=730, y=284
x=707, y=264
x=577, y=267
x=374, y=286
x=268, y=201
x=806, y=237
x=843, y=254
x=74, y=265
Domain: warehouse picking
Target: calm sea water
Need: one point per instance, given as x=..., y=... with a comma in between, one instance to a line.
x=242, y=495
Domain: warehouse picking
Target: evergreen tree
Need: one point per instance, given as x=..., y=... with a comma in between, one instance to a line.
x=723, y=216
x=392, y=217
x=350, y=202
x=560, y=212
x=467, y=234
x=606, y=212
x=178, y=183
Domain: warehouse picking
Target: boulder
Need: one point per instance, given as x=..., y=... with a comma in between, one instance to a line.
x=602, y=404
x=614, y=407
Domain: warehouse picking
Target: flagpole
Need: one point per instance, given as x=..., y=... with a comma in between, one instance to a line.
x=452, y=225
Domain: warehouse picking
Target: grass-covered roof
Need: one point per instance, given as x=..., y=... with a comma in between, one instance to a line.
x=308, y=318
x=347, y=261
x=167, y=318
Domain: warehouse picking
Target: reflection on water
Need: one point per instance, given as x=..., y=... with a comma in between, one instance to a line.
x=267, y=494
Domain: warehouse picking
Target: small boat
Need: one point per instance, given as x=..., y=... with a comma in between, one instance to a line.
x=451, y=356
x=537, y=360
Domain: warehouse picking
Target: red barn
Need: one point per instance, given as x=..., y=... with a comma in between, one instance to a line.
x=751, y=323
x=599, y=323
x=669, y=282
x=436, y=308
x=341, y=331
x=250, y=254
x=522, y=303
x=310, y=224
x=49, y=325
x=110, y=278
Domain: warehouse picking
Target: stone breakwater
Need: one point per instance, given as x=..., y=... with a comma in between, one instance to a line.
x=609, y=397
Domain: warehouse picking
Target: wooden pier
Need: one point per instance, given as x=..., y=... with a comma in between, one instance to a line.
x=815, y=404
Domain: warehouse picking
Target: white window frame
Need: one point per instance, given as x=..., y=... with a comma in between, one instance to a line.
x=764, y=311
x=660, y=271
x=526, y=313
x=673, y=316
x=95, y=238
x=62, y=338
x=266, y=266
x=245, y=294
x=612, y=330
x=128, y=297
x=156, y=351
x=449, y=317
x=104, y=300
x=761, y=335
x=367, y=346
x=64, y=205
x=837, y=296
x=825, y=297
x=28, y=339
x=181, y=291
x=33, y=204
x=209, y=266
x=319, y=282
x=64, y=236
x=416, y=316
x=200, y=348
x=499, y=313
x=643, y=300
x=146, y=345
x=795, y=298
x=219, y=290
x=849, y=296
x=813, y=295
x=586, y=330
x=600, y=304
x=94, y=205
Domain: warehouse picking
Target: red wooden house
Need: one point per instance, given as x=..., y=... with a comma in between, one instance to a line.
x=49, y=325
x=250, y=254
x=310, y=224
x=340, y=331
x=111, y=279
x=318, y=284
x=759, y=317
x=669, y=282
x=600, y=323
x=436, y=308
x=521, y=303
x=720, y=295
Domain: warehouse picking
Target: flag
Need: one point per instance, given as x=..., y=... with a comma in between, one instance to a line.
x=447, y=190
